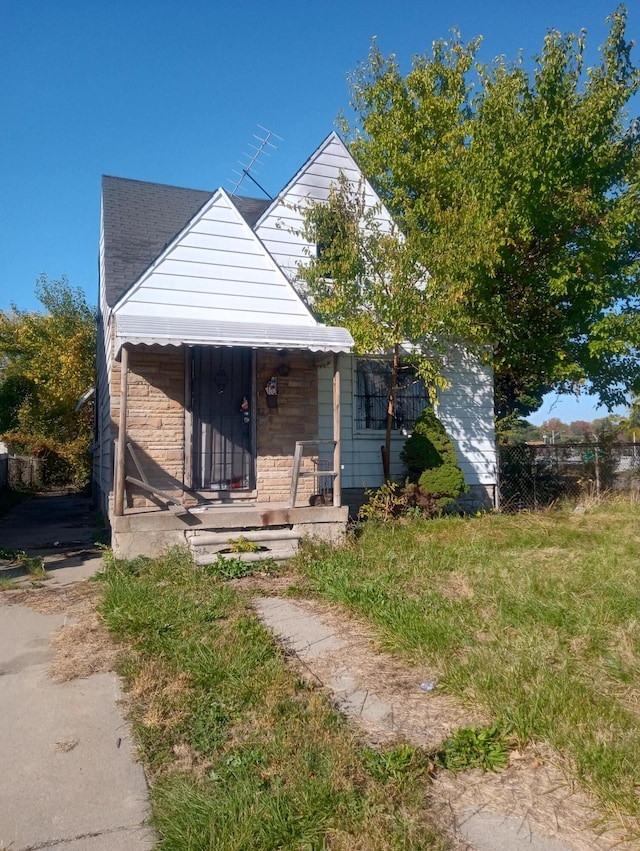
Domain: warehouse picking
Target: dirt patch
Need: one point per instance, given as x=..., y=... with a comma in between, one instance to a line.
x=263, y=583
x=533, y=787
x=82, y=644
x=425, y=718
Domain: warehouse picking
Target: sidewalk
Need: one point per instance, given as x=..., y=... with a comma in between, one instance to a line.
x=69, y=779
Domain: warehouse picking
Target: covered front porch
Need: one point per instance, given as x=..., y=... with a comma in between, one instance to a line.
x=217, y=439
x=208, y=530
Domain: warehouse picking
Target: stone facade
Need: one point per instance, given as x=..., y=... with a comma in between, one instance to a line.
x=278, y=428
x=156, y=421
x=155, y=418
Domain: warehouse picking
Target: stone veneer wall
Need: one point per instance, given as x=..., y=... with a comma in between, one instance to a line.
x=155, y=417
x=295, y=418
x=155, y=421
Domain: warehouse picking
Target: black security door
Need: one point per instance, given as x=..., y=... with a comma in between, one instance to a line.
x=222, y=406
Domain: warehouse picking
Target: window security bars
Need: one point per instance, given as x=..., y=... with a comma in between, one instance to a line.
x=373, y=380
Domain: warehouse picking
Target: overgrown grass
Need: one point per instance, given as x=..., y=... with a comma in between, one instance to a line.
x=534, y=618
x=241, y=754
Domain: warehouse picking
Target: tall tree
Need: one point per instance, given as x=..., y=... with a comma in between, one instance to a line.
x=520, y=190
x=369, y=278
x=47, y=362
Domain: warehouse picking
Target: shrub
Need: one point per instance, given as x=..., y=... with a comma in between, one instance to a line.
x=430, y=458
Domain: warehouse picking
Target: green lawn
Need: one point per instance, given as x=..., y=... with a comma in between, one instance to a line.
x=533, y=618
x=240, y=752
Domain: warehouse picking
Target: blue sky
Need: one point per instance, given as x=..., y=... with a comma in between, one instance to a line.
x=173, y=91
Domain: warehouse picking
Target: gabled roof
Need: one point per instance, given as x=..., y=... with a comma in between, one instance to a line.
x=216, y=267
x=216, y=284
x=340, y=161
x=140, y=219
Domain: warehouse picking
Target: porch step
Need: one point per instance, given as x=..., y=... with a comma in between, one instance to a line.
x=276, y=544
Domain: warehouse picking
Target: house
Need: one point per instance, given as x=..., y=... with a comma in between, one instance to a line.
x=223, y=407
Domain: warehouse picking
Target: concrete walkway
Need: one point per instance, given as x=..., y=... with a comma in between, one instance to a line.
x=68, y=778
x=325, y=653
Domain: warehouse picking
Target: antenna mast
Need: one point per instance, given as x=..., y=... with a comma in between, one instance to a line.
x=250, y=160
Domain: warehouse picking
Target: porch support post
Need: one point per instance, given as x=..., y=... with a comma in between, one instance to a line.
x=118, y=508
x=337, y=479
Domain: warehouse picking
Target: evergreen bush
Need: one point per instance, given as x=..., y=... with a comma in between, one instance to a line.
x=430, y=459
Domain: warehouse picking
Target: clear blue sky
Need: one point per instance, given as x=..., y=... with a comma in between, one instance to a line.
x=172, y=92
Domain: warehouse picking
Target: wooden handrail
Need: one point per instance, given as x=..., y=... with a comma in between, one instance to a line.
x=296, y=475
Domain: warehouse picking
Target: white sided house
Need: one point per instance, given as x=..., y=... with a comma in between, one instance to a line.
x=224, y=409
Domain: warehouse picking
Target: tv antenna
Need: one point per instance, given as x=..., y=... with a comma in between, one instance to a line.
x=253, y=158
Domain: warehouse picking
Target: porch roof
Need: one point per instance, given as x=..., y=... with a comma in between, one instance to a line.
x=168, y=331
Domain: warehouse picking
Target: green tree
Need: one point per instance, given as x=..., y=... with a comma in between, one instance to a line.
x=554, y=430
x=47, y=361
x=520, y=190
x=368, y=277
x=630, y=423
x=518, y=430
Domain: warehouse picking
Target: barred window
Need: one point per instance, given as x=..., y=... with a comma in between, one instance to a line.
x=373, y=380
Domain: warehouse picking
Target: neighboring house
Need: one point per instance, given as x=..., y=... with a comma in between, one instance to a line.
x=212, y=371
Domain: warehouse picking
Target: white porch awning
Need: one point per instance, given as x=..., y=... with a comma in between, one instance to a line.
x=165, y=331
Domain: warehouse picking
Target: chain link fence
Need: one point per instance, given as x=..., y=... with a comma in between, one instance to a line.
x=532, y=477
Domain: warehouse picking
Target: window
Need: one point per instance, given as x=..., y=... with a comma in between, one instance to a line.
x=373, y=379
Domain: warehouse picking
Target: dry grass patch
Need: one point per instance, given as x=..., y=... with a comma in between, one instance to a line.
x=543, y=639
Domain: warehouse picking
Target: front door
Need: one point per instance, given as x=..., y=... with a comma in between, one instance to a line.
x=223, y=411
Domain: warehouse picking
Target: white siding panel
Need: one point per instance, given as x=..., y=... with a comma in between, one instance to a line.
x=217, y=248
x=201, y=260
x=311, y=184
x=222, y=281
x=202, y=239
x=188, y=311
x=361, y=458
x=466, y=410
x=221, y=302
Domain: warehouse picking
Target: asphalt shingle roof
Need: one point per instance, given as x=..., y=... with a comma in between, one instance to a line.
x=140, y=219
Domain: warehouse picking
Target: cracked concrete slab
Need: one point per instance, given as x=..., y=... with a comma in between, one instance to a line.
x=491, y=831
x=328, y=655
x=307, y=636
x=69, y=778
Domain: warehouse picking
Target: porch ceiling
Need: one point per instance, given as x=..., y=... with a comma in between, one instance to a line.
x=167, y=331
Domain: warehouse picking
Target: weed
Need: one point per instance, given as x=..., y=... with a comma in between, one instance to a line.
x=385, y=503
x=235, y=568
x=242, y=545
x=486, y=748
x=34, y=565
x=402, y=763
